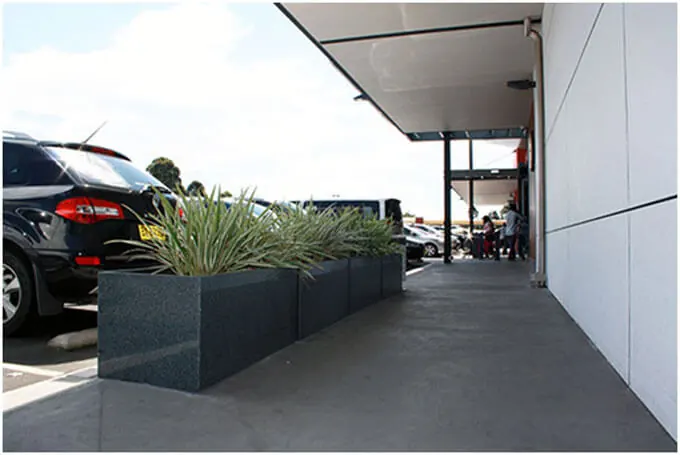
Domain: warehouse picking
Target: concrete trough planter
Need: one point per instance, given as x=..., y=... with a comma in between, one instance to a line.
x=365, y=282
x=324, y=300
x=391, y=275
x=188, y=333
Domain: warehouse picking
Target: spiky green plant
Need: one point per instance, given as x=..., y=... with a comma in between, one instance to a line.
x=325, y=234
x=376, y=237
x=341, y=234
x=211, y=239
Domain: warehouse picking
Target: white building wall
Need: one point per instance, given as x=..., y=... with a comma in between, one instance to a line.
x=611, y=182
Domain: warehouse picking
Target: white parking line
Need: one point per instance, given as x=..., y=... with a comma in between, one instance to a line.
x=31, y=370
x=30, y=393
x=418, y=270
x=72, y=306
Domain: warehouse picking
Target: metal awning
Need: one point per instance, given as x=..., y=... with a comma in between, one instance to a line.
x=430, y=67
x=491, y=187
x=487, y=192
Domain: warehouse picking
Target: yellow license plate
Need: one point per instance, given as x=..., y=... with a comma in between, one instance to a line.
x=151, y=232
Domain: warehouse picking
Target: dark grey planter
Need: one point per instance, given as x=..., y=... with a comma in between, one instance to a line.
x=324, y=300
x=188, y=333
x=365, y=282
x=391, y=275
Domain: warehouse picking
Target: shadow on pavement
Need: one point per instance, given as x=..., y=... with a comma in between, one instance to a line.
x=30, y=346
x=412, y=265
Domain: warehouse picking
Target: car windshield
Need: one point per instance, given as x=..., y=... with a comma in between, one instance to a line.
x=366, y=208
x=420, y=229
x=290, y=206
x=256, y=209
x=98, y=169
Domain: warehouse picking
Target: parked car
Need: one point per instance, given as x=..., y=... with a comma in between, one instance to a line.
x=62, y=203
x=434, y=244
x=456, y=242
x=427, y=229
x=279, y=205
x=383, y=209
x=414, y=250
x=256, y=209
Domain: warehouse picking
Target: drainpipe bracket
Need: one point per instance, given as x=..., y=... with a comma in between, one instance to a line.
x=538, y=280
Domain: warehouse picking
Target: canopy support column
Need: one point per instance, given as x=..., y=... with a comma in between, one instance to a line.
x=471, y=190
x=447, y=198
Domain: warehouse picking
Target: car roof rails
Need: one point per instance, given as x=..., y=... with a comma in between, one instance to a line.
x=17, y=135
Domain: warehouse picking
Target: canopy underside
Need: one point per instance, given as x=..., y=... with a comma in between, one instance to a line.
x=431, y=68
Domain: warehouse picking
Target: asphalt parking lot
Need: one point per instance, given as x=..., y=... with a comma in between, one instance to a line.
x=27, y=359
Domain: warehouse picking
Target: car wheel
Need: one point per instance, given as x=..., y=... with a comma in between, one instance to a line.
x=431, y=250
x=17, y=293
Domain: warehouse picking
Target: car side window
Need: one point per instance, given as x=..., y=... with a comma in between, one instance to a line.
x=13, y=165
x=27, y=165
x=43, y=170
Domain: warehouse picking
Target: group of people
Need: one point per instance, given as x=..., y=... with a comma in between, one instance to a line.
x=510, y=237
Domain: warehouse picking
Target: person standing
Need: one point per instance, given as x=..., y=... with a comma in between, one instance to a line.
x=513, y=222
x=489, y=237
x=500, y=242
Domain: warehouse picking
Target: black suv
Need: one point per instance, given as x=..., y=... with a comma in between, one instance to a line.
x=62, y=203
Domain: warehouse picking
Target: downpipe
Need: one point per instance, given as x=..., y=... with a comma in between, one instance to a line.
x=538, y=277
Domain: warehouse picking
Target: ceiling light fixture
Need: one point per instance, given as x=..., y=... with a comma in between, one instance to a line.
x=523, y=84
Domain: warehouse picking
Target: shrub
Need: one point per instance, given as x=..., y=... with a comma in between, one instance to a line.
x=211, y=239
x=327, y=236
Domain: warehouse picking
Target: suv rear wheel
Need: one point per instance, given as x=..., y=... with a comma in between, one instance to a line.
x=17, y=293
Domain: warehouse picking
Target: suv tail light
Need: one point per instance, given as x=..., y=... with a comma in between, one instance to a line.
x=86, y=210
x=88, y=260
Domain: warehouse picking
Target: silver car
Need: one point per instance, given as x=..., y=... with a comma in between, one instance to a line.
x=433, y=243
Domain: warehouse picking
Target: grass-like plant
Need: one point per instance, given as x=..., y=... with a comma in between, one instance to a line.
x=211, y=239
x=376, y=237
x=342, y=233
x=325, y=234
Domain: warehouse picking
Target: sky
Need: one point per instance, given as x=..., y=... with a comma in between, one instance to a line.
x=233, y=93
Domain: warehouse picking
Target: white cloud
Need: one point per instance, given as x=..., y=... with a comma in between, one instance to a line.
x=170, y=85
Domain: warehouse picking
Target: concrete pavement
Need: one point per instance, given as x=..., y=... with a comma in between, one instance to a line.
x=469, y=359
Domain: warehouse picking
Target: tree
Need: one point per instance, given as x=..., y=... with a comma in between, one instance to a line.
x=165, y=170
x=196, y=188
x=408, y=214
x=226, y=194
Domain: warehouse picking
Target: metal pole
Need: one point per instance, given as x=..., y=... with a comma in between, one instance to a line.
x=538, y=278
x=447, y=198
x=471, y=190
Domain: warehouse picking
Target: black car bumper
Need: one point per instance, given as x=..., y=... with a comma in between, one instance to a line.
x=414, y=252
x=58, y=275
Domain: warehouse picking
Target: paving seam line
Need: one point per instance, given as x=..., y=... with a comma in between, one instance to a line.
x=44, y=389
